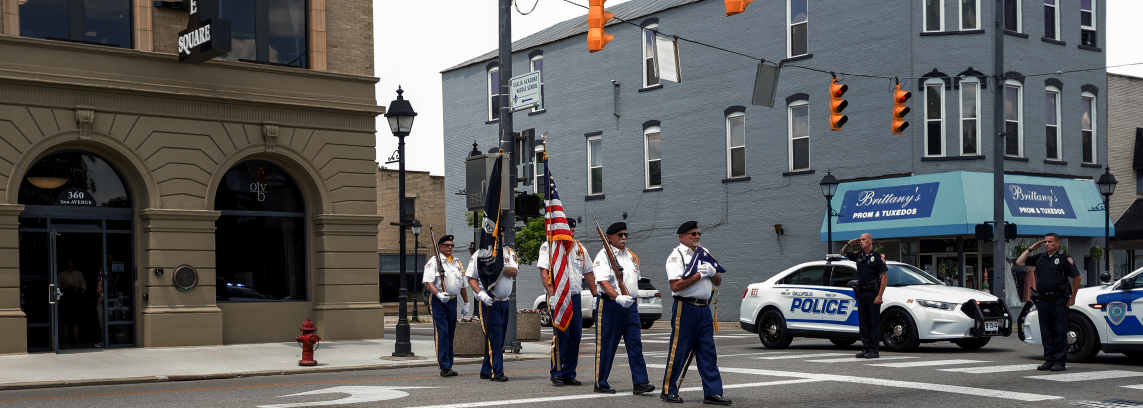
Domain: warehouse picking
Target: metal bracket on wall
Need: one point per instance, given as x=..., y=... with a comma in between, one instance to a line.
x=615, y=97
x=84, y=120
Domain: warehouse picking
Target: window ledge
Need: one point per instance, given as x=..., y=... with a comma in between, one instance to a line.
x=651, y=88
x=736, y=179
x=1014, y=158
x=1049, y=40
x=953, y=158
x=962, y=32
x=1056, y=162
x=1091, y=165
x=652, y=190
x=593, y=197
x=1090, y=48
x=492, y=121
x=538, y=112
x=797, y=173
x=797, y=58
x=1015, y=34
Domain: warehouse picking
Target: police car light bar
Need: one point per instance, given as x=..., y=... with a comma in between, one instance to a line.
x=833, y=257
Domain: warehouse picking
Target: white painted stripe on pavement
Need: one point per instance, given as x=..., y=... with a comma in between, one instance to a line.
x=759, y=384
x=1093, y=375
x=852, y=359
x=926, y=363
x=992, y=369
x=801, y=356
x=750, y=354
x=1136, y=386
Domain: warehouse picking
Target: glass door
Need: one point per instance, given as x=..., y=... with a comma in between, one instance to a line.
x=118, y=279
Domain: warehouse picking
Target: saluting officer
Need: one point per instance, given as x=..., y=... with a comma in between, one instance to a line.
x=494, y=313
x=443, y=304
x=565, y=343
x=1055, y=297
x=871, y=280
x=692, y=327
x=617, y=315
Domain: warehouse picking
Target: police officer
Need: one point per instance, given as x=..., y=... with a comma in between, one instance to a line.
x=871, y=280
x=494, y=311
x=565, y=343
x=1053, y=268
x=617, y=315
x=443, y=304
x=692, y=324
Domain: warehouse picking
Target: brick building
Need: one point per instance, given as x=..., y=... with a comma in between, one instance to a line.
x=1125, y=156
x=424, y=202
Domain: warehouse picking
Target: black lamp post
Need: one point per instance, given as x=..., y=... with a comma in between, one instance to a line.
x=829, y=187
x=400, y=115
x=1106, y=186
x=416, y=258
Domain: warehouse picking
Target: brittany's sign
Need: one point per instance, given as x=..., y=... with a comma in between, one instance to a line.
x=889, y=203
x=206, y=36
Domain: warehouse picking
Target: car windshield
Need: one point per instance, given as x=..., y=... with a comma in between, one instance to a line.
x=905, y=275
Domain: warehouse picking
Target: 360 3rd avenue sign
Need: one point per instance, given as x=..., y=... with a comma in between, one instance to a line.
x=206, y=36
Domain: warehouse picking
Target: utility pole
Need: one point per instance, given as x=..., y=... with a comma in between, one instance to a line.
x=508, y=144
x=999, y=272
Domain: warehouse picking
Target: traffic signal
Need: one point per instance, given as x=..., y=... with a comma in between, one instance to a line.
x=836, y=105
x=597, y=17
x=736, y=6
x=900, y=110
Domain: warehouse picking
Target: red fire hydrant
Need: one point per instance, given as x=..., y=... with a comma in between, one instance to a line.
x=309, y=342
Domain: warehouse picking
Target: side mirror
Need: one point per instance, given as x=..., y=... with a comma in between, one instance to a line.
x=1105, y=277
x=1127, y=284
x=851, y=283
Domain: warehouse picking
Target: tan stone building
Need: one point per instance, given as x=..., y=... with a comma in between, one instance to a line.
x=425, y=202
x=148, y=202
x=1125, y=158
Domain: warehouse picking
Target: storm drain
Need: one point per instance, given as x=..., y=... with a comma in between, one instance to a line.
x=1108, y=404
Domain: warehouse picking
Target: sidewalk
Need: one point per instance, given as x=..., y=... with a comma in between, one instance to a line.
x=138, y=365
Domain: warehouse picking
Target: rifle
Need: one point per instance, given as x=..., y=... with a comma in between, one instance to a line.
x=611, y=258
x=440, y=268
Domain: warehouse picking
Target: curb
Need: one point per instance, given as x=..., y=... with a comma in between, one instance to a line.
x=226, y=376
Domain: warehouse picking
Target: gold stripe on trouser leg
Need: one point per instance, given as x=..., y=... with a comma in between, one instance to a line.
x=556, y=352
x=436, y=348
x=674, y=346
x=598, y=335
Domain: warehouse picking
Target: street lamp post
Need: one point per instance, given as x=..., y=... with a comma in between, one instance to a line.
x=416, y=257
x=1106, y=186
x=829, y=187
x=400, y=115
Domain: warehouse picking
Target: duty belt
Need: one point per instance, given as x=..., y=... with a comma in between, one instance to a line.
x=866, y=288
x=693, y=301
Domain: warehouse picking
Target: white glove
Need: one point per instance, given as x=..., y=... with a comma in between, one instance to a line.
x=483, y=297
x=595, y=303
x=466, y=310
x=443, y=296
x=552, y=302
x=625, y=301
x=706, y=271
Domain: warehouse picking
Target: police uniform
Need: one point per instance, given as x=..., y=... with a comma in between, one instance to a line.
x=870, y=267
x=613, y=321
x=444, y=313
x=494, y=318
x=565, y=343
x=692, y=330
x=1053, y=276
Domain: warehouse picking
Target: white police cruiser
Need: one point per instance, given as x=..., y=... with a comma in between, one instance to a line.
x=815, y=300
x=1105, y=318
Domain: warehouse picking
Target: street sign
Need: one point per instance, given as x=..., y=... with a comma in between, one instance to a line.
x=525, y=92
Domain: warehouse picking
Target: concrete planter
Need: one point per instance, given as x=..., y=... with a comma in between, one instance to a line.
x=468, y=340
x=528, y=326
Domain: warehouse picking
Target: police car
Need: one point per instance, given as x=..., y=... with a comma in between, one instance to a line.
x=649, y=302
x=815, y=300
x=1105, y=318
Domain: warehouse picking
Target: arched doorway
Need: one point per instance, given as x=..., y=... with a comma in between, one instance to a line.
x=77, y=272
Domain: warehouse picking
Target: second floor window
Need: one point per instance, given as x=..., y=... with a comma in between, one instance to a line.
x=1087, y=126
x=538, y=66
x=654, y=168
x=1013, y=115
x=1052, y=125
x=935, y=118
x=274, y=31
x=798, y=42
x=799, y=114
x=650, y=74
x=106, y=22
x=934, y=15
x=736, y=145
x=1012, y=15
x=1051, y=19
x=969, y=118
x=595, y=165
x=969, y=12
x=1087, y=23
x=494, y=94
x=538, y=186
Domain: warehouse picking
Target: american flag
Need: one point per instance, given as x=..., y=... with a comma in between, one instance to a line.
x=559, y=248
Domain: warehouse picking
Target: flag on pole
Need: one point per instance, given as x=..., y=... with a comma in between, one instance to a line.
x=489, y=256
x=560, y=246
x=701, y=255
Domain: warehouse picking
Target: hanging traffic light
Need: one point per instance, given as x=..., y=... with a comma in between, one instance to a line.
x=736, y=6
x=900, y=110
x=836, y=105
x=597, y=17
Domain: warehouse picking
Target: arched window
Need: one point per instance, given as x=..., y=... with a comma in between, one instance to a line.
x=260, y=237
x=74, y=178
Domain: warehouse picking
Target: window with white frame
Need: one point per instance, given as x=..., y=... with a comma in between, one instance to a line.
x=1052, y=123
x=1012, y=15
x=934, y=117
x=798, y=18
x=1013, y=118
x=494, y=94
x=934, y=15
x=969, y=14
x=539, y=185
x=1087, y=23
x=736, y=145
x=538, y=66
x=1051, y=19
x=798, y=113
x=650, y=75
x=969, y=118
x=653, y=168
x=1087, y=126
x=595, y=165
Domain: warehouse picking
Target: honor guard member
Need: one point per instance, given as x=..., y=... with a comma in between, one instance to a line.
x=443, y=304
x=1055, y=295
x=871, y=280
x=494, y=311
x=617, y=315
x=692, y=327
x=565, y=343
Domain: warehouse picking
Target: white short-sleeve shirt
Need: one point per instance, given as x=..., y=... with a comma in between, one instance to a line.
x=503, y=286
x=454, y=274
x=626, y=260
x=677, y=262
x=578, y=264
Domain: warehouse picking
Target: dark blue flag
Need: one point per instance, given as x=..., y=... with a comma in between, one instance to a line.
x=704, y=256
x=489, y=255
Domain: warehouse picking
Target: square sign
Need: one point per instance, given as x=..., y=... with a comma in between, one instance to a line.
x=525, y=91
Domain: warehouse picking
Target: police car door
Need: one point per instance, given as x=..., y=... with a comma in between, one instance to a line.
x=840, y=307
x=802, y=295
x=1122, y=311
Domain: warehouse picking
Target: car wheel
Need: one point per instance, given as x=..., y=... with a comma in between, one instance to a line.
x=972, y=344
x=842, y=342
x=648, y=324
x=588, y=323
x=1083, y=343
x=773, y=332
x=545, y=316
x=899, y=331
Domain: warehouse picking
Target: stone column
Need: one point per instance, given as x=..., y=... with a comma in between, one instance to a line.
x=347, y=304
x=172, y=318
x=13, y=322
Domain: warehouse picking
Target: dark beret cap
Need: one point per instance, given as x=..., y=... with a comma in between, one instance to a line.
x=687, y=226
x=571, y=222
x=616, y=227
x=444, y=238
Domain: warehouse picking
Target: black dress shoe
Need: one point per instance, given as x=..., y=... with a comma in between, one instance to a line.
x=557, y=381
x=860, y=355
x=673, y=398
x=500, y=378
x=1046, y=366
x=872, y=355
x=1059, y=367
x=605, y=390
x=642, y=388
x=448, y=372
x=715, y=399
x=485, y=376
x=572, y=381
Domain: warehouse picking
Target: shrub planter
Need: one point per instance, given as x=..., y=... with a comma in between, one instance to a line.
x=468, y=340
x=528, y=326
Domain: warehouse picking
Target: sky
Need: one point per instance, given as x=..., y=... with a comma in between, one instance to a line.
x=427, y=48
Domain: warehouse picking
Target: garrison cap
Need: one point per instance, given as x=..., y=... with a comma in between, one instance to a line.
x=687, y=226
x=616, y=227
x=571, y=222
x=444, y=238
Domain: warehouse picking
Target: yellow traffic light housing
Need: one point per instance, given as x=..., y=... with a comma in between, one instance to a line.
x=597, y=18
x=900, y=110
x=836, y=105
x=736, y=6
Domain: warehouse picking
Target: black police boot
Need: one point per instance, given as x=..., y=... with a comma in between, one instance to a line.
x=673, y=398
x=572, y=381
x=1059, y=367
x=448, y=372
x=605, y=390
x=642, y=388
x=860, y=355
x=1046, y=366
x=500, y=378
x=715, y=399
x=485, y=376
x=557, y=381
x=872, y=354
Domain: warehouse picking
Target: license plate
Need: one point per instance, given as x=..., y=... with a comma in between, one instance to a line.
x=645, y=300
x=991, y=326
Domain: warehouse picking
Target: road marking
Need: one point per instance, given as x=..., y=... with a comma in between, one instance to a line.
x=992, y=369
x=800, y=356
x=1094, y=375
x=1136, y=386
x=854, y=359
x=749, y=354
x=357, y=394
x=648, y=341
x=927, y=363
x=732, y=336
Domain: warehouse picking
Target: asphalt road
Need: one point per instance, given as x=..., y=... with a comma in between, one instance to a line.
x=809, y=373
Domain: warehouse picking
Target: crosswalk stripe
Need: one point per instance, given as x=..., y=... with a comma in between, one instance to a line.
x=800, y=356
x=992, y=369
x=852, y=359
x=1093, y=375
x=753, y=354
x=1136, y=386
x=926, y=363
